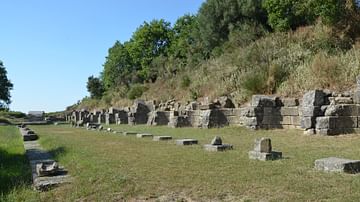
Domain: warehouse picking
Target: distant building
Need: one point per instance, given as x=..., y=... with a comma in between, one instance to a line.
x=36, y=115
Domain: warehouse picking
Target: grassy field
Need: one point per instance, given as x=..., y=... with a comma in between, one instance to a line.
x=112, y=167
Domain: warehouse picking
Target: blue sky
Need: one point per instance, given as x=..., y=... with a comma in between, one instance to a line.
x=49, y=48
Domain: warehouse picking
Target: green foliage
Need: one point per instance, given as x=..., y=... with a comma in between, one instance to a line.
x=118, y=67
x=136, y=91
x=149, y=41
x=5, y=87
x=95, y=87
x=12, y=114
x=217, y=18
x=185, y=81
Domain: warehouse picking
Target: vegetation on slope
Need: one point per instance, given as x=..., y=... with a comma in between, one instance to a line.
x=235, y=48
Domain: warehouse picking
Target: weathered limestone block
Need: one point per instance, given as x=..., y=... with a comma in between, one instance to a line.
x=343, y=100
x=276, y=120
x=250, y=121
x=289, y=111
x=47, y=168
x=186, y=142
x=342, y=110
x=263, y=145
x=295, y=120
x=263, y=101
x=249, y=111
x=313, y=98
x=227, y=112
x=307, y=122
x=310, y=111
x=334, y=164
x=128, y=133
x=290, y=102
x=216, y=148
x=263, y=150
x=326, y=122
x=356, y=96
x=216, y=141
x=162, y=138
x=346, y=122
x=144, y=135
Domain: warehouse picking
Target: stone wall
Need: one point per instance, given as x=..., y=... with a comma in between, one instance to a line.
x=317, y=112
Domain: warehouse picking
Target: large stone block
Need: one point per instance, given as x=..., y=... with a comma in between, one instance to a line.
x=186, y=142
x=343, y=100
x=356, y=96
x=289, y=111
x=263, y=101
x=290, y=102
x=342, y=110
x=144, y=135
x=295, y=120
x=326, y=122
x=307, y=122
x=265, y=156
x=227, y=112
x=249, y=111
x=162, y=138
x=250, y=121
x=313, y=98
x=216, y=148
x=310, y=111
x=334, y=164
x=276, y=120
x=263, y=145
x=346, y=122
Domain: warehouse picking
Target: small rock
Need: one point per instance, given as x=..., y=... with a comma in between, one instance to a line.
x=216, y=141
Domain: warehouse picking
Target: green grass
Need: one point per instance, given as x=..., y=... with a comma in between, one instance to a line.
x=112, y=167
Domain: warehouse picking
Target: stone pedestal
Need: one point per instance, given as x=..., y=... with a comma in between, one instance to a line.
x=186, y=142
x=216, y=148
x=263, y=150
x=334, y=164
x=162, y=138
x=144, y=135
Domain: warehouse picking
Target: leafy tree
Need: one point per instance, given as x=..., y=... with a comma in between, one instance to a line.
x=118, y=67
x=5, y=87
x=217, y=18
x=149, y=41
x=95, y=87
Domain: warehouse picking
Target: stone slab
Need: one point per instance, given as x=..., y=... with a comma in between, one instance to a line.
x=216, y=148
x=334, y=164
x=274, y=155
x=186, y=142
x=144, y=135
x=128, y=133
x=162, y=138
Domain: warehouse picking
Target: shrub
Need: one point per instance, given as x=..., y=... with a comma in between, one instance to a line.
x=136, y=91
x=185, y=82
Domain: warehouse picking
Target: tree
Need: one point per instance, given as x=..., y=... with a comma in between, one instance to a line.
x=95, y=87
x=118, y=67
x=217, y=18
x=149, y=41
x=5, y=87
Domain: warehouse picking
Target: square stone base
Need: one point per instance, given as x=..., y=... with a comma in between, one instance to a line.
x=186, y=142
x=274, y=155
x=216, y=148
x=144, y=135
x=129, y=133
x=334, y=164
x=162, y=138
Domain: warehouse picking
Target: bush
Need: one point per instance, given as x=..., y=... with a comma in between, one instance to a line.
x=12, y=114
x=185, y=82
x=136, y=91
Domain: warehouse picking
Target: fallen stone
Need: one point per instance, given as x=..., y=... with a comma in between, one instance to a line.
x=334, y=164
x=216, y=141
x=310, y=131
x=265, y=156
x=186, y=142
x=263, y=145
x=162, y=138
x=216, y=148
x=144, y=135
x=47, y=168
x=127, y=133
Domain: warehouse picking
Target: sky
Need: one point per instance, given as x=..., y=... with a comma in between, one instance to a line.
x=50, y=48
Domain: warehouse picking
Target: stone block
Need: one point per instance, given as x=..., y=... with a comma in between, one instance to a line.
x=342, y=110
x=227, y=112
x=310, y=131
x=128, y=133
x=47, y=168
x=216, y=141
x=274, y=155
x=276, y=120
x=328, y=132
x=263, y=145
x=248, y=111
x=186, y=142
x=263, y=101
x=310, y=111
x=326, y=122
x=250, y=121
x=346, y=122
x=289, y=111
x=295, y=120
x=144, y=135
x=343, y=100
x=307, y=122
x=334, y=164
x=290, y=102
x=30, y=137
x=162, y=138
x=356, y=96
x=233, y=120
x=216, y=148
x=313, y=98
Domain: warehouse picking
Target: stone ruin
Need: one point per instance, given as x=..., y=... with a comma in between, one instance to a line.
x=317, y=112
x=263, y=150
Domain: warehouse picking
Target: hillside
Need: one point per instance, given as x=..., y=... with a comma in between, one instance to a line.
x=235, y=48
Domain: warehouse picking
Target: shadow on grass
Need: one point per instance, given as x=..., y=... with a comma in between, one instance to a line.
x=15, y=169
